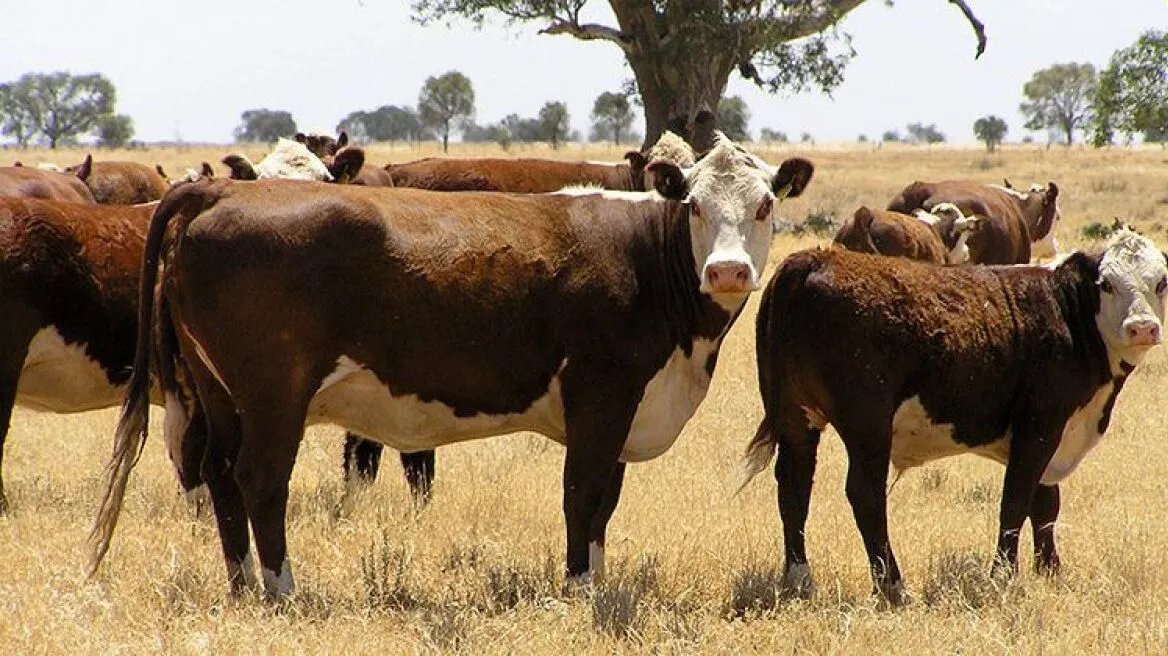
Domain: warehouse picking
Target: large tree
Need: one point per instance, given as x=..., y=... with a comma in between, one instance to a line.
x=1059, y=98
x=682, y=52
x=59, y=106
x=444, y=102
x=264, y=125
x=1133, y=91
x=554, y=123
x=612, y=115
x=990, y=130
x=19, y=113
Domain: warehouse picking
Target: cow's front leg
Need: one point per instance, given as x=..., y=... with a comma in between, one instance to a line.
x=1030, y=452
x=1044, y=511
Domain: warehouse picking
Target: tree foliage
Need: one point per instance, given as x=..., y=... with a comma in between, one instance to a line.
x=682, y=52
x=114, y=130
x=1059, y=98
x=554, y=123
x=264, y=126
x=386, y=123
x=19, y=110
x=734, y=118
x=612, y=116
x=58, y=106
x=769, y=135
x=926, y=134
x=990, y=130
x=1132, y=95
x=446, y=101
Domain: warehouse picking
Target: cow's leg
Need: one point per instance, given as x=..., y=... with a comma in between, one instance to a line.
x=271, y=437
x=362, y=458
x=597, y=532
x=1030, y=453
x=419, y=470
x=868, y=453
x=795, y=472
x=9, y=378
x=1044, y=511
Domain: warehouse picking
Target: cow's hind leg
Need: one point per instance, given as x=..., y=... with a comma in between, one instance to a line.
x=362, y=458
x=869, y=446
x=1044, y=511
x=18, y=329
x=419, y=470
x=795, y=471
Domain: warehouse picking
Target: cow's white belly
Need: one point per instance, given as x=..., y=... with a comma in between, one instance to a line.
x=670, y=399
x=1080, y=435
x=60, y=377
x=917, y=439
x=353, y=397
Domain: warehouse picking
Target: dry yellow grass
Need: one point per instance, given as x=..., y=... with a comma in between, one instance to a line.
x=691, y=568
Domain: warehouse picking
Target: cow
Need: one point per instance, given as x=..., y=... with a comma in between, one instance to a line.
x=28, y=182
x=520, y=175
x=321, y=143
x=68, y=294
x=668, y=148
x=939, y=237
x=292, y=160
x=1016, y=226
x=120, y=183
x=421, y=319
x=911, y=363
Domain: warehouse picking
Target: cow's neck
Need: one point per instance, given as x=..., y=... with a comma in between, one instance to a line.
x=1079, y=305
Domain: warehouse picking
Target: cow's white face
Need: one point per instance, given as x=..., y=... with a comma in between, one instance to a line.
x=292, y=160
x=1133, y=278
x=731, y=195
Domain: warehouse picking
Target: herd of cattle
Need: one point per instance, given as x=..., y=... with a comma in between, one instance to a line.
x=583, y=301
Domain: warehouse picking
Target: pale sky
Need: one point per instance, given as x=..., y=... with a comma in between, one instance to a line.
x=188, y=69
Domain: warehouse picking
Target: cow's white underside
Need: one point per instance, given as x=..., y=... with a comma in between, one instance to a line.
x=353, y=397
x=60, y=377
x=917, y=439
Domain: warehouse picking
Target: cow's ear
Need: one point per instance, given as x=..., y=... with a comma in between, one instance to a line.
x=668, y=180
x=300, y=138
x=18, y=163
x=1052, y=192
x=85, y=168
x=206, y=171
x=1006, y=183
x=241, y=168
x=159, y=169
x=346, y=165
x=792, y=177
x=342, y=140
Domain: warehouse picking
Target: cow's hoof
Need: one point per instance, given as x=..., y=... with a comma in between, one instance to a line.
x=579, y=585
x=797, y=582
x=893, y=595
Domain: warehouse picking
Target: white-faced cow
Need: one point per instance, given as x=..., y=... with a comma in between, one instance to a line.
x=1015, y=226
x=939, y=236
x=292, y=160
x=421, y=319
x=120, y=183
x=911, y=362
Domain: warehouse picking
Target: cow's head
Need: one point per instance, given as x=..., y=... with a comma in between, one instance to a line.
x=1132, y=281
x=730, y=195
x=953, y=227
x=321, y=144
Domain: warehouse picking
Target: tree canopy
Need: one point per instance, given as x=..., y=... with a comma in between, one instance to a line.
x=114, y=130
x=264, y=126
x=1132, y=95
x=1059, y=98
x=612, y=116
x=386, y=123
x=682, y=52
x=990, y=130
x=554, y=123
x=734, y=118
x=58, y=106
x=445, y=101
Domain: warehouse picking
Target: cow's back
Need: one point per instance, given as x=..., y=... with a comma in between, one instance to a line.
x=26, y=182
x=125, y=183
x=526, y=176
x=890, y=233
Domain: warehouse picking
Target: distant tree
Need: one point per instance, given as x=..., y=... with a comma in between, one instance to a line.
x=863, y=138
x=990, y=130
x=1028, y=139
x=612, y=115
x=386, y=123
x=734, y=118
x=264, y=126
x=927, y=134
x=1059, y=98
x=522, y=129
x=806, y=138
x=554, y=123
x=445, y=102
x=1132, y=94
x=114, y=130
x=19, y=113
x=767, y=135
x=890, y=136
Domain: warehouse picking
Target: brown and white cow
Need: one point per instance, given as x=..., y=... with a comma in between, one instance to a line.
x=520, y=175
x=939, y=236
x=120, y=183
x=292, y=160
x=1016, y=227
x=911, y=363
x=421, y=319
x=327, y=149
x=69, y=296
x=27, y=182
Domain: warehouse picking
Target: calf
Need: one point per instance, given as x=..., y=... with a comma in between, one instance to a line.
x=911, y=363
x=27, y=182
x=422, y=319
x=120, y=183
x=68, y=294
x=939, y=237
x=1015, y=225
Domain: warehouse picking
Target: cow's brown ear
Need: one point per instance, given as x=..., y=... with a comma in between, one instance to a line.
x=18, y=163
x=342, y=140
x=668, y=180
x=241, y=168
x=158, y=168
x=206, y=171
x=792, y=177
x=1006, y=183
x=300, y=137
x=636, y=159
x=85, y=168
x=346, y=165
x=1052, y=192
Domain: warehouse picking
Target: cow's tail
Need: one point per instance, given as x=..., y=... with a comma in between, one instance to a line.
x=774, y=316
x=130, y=435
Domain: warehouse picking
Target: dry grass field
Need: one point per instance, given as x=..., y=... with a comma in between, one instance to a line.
x=691, y=568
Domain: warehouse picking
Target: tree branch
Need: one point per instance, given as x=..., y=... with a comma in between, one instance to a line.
x=588, y=32
x=978, y=27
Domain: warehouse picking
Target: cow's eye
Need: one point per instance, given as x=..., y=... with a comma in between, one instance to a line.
x=1105, y=286
x=764, y=210
x=1162, y=285
x=694, y=210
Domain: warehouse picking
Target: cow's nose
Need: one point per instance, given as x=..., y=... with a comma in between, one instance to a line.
x=723, y=277
x=1143, y=332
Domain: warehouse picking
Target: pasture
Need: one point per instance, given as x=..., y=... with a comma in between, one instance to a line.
x=692, y=569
